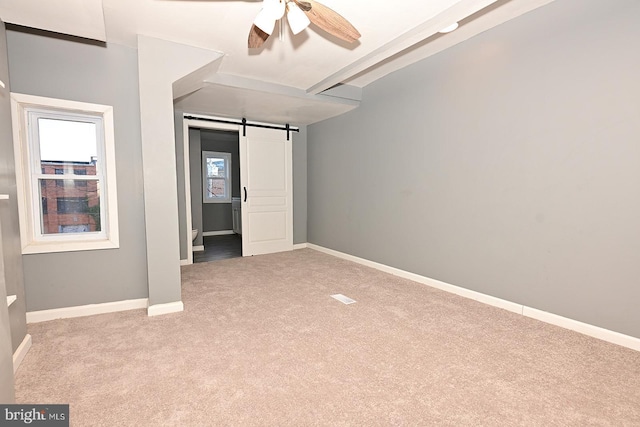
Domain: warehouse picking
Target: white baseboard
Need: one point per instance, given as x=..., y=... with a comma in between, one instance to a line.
x=299, y=246
x=21, y=352
x=217, y=233
x=198, y=248
x=583, y=328
x=184, y=262
x=487, y=299
x=160, y=309
x=554, y=319
x=86, y=310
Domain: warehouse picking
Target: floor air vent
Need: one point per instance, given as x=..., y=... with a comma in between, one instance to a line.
x=343, y=299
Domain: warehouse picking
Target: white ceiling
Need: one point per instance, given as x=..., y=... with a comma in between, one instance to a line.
x=394, y=34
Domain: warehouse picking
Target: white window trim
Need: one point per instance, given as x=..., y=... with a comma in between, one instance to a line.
x=36, y=175
x=227, y=159
x=32, y=241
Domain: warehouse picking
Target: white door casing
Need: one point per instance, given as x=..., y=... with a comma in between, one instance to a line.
x=266, y=180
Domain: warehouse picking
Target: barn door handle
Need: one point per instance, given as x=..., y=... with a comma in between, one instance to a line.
x=245, y=193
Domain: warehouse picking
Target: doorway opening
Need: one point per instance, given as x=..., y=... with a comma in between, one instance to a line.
x=264, y=214
x=212, y=181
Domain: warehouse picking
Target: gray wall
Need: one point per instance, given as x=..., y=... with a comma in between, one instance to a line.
x=300, y=186
x=9, y=209
x=9, y=212
x=182, y=200
x=195, y=153
x=507, y=165
x=7, y=390
x=66, y=68
x=12, y=320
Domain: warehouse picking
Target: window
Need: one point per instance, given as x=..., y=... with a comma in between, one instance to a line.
x=216, y=177
x=57, y=171
x=65, y=158
x=78, y=205
x=80, y=183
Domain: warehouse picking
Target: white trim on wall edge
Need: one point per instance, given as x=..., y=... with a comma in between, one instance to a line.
x=86, y=310
x=160, y=309
x=21, y=352
x=185, y=262
x=477, y=296
x=198, y=249
x=217, y=233
x=583, y=328
x=554, y=319
x=299, y=246
x=11, y=299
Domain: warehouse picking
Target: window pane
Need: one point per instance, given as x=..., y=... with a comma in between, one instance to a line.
x=70, y=208
x=215, y=167
x=215, y=188
x=68, y=147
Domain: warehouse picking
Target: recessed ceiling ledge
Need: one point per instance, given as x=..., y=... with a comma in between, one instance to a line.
x=341, y=96
x=455, y=13
x=196, y=80
x=233, y=96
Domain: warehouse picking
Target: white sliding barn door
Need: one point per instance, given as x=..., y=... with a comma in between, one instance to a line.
x=266, y=179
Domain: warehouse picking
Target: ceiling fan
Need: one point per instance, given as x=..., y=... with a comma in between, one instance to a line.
x=300, y=13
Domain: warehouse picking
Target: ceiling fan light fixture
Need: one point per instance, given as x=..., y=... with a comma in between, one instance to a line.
x=265, y=21
x=300, y=14
x=275, y=8
x=298, y=20
x=450, y=28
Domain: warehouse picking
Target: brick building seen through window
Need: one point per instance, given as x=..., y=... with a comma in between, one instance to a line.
x=70, y=205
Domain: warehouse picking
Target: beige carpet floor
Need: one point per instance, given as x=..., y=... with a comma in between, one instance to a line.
x=261, y=343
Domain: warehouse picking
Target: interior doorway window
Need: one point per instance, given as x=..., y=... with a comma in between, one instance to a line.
x=216, y=177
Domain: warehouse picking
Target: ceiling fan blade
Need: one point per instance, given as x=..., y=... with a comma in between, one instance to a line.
x=329, y=20
x=306, y=6
x=257, y=37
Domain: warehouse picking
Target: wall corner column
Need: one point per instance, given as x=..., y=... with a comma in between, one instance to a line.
x=160, y=64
